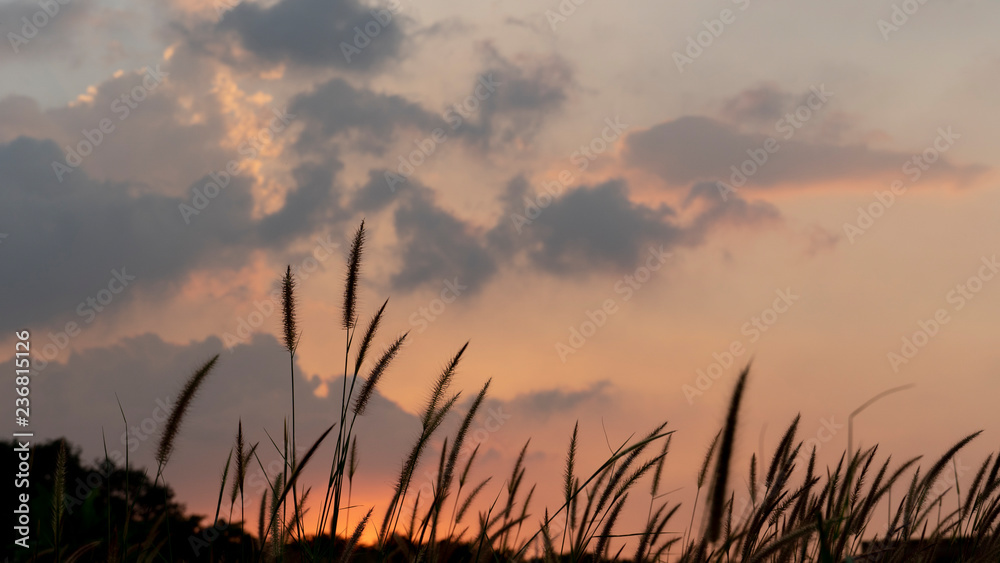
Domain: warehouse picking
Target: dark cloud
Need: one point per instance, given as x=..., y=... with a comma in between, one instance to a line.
x=694, y=149
x=436, y=245
x=506, y=105
x=585, y=229
x=374, y=195
x=596, y=227
x=528, y=90
x=190, y=130
x=688, y=149
x=591, y=228
x=764, y=104
x=312, y=33
x=546, y=404
x=716, y=208
x=21, y=115
x=335, y=108
x=306, y=206
x=65, y=239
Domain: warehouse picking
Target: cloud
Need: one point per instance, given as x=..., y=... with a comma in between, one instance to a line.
x=506, y=105
x=715, y=211
x=764, y=104
x=694, y=149
x=374, y=195
x=308, y=33
x=586, y=229
x=308, y=205
x=192, y=131
x=546, y=404
x=21, y=115
x=33, y=31
x=335, y=108
x=597, y=227
x=529, y=89
x=590, y=228
x=437, y=245
x=66, y=238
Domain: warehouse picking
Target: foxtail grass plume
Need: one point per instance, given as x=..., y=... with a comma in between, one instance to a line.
x=366, y=340
x=261, y=518
x=717, y=492
x=376, y=374
x=569, y=475
x=173, y=426
x=442, y=384
x=222, y=486
x=243, y=457
x=463, y=431
x=353, y=273
x=352, y=543
x=237, y=487
x=288, y=310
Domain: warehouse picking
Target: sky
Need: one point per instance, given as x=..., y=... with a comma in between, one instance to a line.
x=618, y=206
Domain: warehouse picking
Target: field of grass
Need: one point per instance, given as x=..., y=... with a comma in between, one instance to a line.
x=824, y=516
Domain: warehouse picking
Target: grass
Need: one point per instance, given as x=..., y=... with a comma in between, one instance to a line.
x=826, y=516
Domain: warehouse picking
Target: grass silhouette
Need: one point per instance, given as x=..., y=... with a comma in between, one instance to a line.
x=824, y=517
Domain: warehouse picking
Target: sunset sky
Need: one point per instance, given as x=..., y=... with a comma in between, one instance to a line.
x=618, y=205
